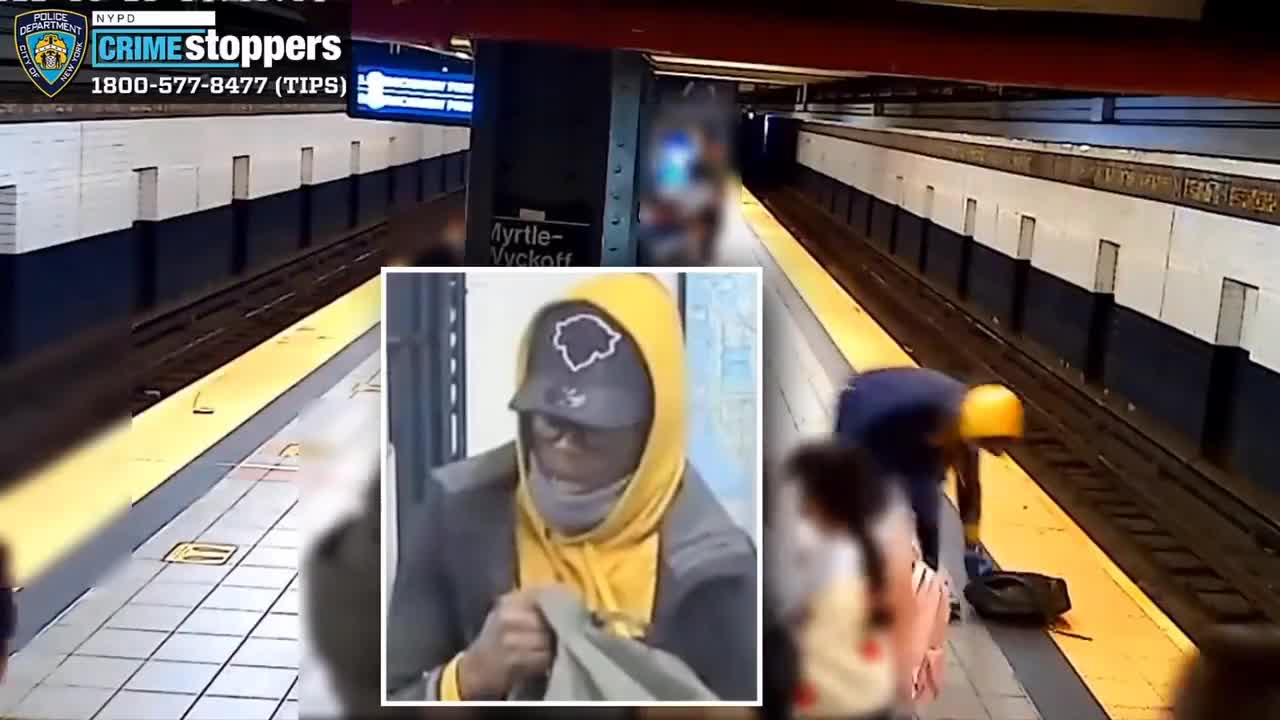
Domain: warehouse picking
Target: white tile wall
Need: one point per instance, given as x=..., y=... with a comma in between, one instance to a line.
x=1265, y=343
x=8, y=217
x=1205, y=248
x=75, y=179
x=1171, y=262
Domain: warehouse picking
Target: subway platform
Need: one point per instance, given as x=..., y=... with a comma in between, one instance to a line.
x=166, y=639
x=159, y=637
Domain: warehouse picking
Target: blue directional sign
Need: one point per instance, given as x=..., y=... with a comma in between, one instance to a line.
x=410, y=86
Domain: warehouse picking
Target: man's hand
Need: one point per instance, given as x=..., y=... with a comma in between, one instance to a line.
x=976, y=562
x=514, y=643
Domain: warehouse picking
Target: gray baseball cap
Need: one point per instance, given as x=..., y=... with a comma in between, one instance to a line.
x=584, y=368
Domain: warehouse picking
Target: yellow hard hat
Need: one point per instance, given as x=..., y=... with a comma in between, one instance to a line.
x=990, y=411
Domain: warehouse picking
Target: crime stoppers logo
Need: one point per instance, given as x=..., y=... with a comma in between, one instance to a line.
x=50, y=45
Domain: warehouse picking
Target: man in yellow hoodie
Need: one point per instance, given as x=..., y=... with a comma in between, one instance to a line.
x=594, y=494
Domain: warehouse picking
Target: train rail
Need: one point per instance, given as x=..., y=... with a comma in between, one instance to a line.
x=177, y=347
x=65, y=394
x=1200, y=552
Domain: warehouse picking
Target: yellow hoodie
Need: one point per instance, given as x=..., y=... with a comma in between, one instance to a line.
x=615, y=565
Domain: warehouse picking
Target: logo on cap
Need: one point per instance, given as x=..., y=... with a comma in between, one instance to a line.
x=583, y=340
x=567, y=397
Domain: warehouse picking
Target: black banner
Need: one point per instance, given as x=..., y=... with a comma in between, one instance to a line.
x=170, y=52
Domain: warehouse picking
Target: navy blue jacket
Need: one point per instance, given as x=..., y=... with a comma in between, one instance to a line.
x=893, y=413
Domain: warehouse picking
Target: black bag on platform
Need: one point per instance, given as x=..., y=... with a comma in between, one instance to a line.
x=1019, y=597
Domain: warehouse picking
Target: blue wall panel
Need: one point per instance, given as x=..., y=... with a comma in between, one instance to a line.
x=330, y=210
x=273, y=230
x=192, y=252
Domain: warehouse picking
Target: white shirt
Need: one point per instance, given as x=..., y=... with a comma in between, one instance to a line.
x=819, y=583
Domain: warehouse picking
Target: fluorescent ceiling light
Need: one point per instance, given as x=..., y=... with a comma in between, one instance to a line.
x=757, y=79
x=1169, y=9
x=755, y=67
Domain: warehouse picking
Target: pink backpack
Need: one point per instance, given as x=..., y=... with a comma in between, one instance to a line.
x=929, y=632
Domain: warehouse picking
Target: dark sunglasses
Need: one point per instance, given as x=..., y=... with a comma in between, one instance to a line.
x=552, y=429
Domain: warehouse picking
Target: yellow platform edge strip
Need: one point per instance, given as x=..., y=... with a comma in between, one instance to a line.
x=54, y=511
x=1134, y=653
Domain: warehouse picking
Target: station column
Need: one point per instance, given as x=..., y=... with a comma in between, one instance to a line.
x=554, y=146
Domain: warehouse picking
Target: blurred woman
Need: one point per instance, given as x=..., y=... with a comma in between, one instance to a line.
x=684, y=189
x=689, y=242
x=8, y=609
x=841, y=583
x=447, y=250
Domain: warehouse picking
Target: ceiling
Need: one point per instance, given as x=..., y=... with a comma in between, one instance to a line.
x=1144, y=47
x=712, y=69
x=1168, y=9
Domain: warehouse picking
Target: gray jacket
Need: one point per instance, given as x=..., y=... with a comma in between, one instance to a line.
x=705, y=613
x=593, y=664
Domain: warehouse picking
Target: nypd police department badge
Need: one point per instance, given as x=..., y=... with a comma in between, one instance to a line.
x=50, y=45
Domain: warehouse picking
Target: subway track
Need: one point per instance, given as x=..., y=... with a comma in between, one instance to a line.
x=177, y=346
x=1204, y=555
x=63, y=395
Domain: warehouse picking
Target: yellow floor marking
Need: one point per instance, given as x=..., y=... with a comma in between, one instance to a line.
x=55, y=510
x=1134, y=653
x=194, y=553
x=852, y=329
x=67, y=501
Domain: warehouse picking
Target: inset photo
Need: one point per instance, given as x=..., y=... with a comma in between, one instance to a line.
x=573, y=480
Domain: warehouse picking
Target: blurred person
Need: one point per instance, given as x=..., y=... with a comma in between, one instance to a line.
x=448, y=250
x=781, y=660
x=594, y=494
x=1233, y=677
x=687, y=243
x=917, y=423
x=680, y=214
x=843, y=495
x=781, y=666
x=8, y=609
x=341, y=599
x=840, y=578
x=688, y=166
x=338, y=439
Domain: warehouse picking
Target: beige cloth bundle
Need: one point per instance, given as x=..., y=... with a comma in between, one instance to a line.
x=845, y=669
